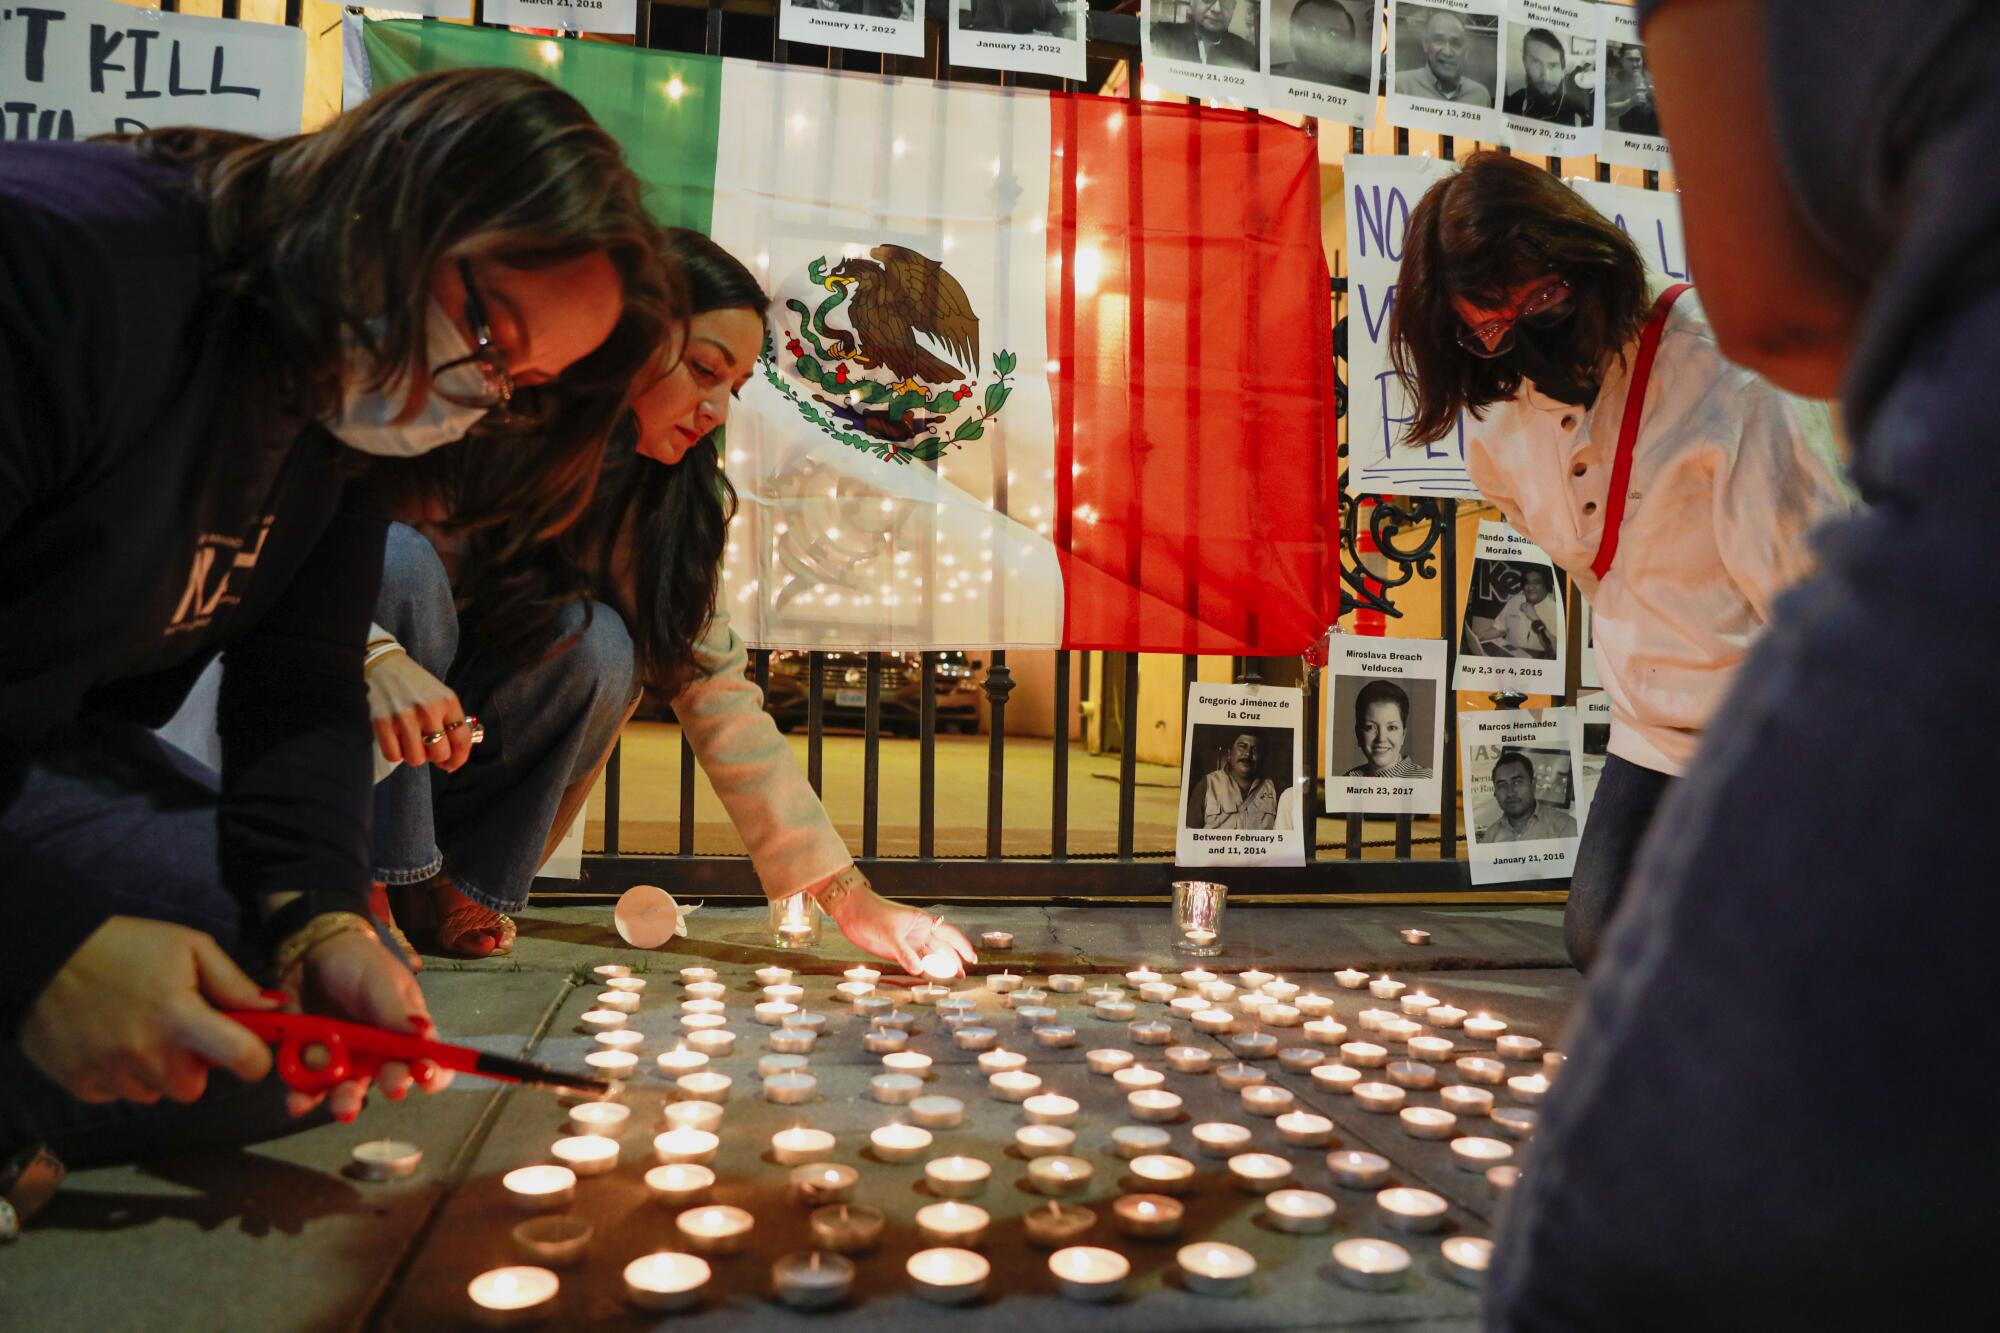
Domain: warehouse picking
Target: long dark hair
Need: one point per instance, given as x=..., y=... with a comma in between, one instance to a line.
x=332, y=238
x=1482, y=232
x=675, y=517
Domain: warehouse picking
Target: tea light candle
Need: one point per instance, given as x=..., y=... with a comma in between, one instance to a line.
x=1056, y=1224
x=1301, y=1212
x=1513, y=1047
x=1415, y=936
x=1100, y=994
x=773, y=1013
x=692, y=1115
x=907, y=1062
x=1051, y=1108
x=1416, y=1004
x=505, y=1297
x=1484, y=1028
x=540, y=1189
x=684, y=1146
x=1139, y=976
x=712, y=1042
x=936, y=1112
x=1059, y=1175
x=974, y=1037
x=1552, y=1061
x=863, y=972
x=850, y=991
x=1034, y=1015
x=1481, y=1069
x=1386, y=988
x=1480, y=1155
x=1154, y=1105
x=871, y=1006
x=1504, y=1178
x=1003, y=983
x=1055, y=1035
x=1217, y=992
x=1281, y=1016
x=702, y=1007
x=1281, y=990
x=1199, y=938
x=796, y=1042
x=602, y=1020
x=1401, y=1029
x=790, y=1089
x=1371, y=1020
x=705, y=990
x=693, y=1023
x=1150, y=1033
x=1107, y=1060
x=1087, y=1273
x=680, y=1184
x=787, y=992
x=1357, y=1170
x=1235, y=1078
x=1337, y=1079
x=1210, y=1268
x=1516, y=1122
x=1149, y=1216
x=1135, y=1141
x=774, y=976
x=705, y=1086
x=1259, y=1172
x=1264, y=1100
x=1381, y=1098
x=846, y=1228
x=1190, y=1059
x=1462, y=1100
x=1300, y=1059
x=1371, y=1265
x=1213, y=1021
x=601, y=1118
x=1163, y=1173
x=895, y=1089
x=825, y=1183
x=1044, y=1140
x=997, y=939
x=586, y=1154
x=1363, y=1055
x=898, y=1143
x=1326, y=1031
x=886, y=1041
x=1254, y=977
x=1349, y=978
x=806, y=1020
x=1196, y=976
x=813, y=1280
x=1254, y=1045
x=680, y=1060
x=1412, y=1074
x=715, y=1229
x=1409, y=1209
x=1253, y=1003
x=1115, y=1011
x=1001, y=1062
x=1219, y=1139
x=1444, y=1015
x=611, y=970
x=1303, y=1129
x=1065, y=983
x=1528, y=1089
x=953, y=1223
x=1314, y=1005
x=1431, y=1050
x=947, y=1276
x=688, y=974
x=940, y=964
x=389, y=1159
x=800, y=1145
x=1158, y=992
x=1427, y=1122
x=929, y=995
x=1022, y=996
x=623, y=1001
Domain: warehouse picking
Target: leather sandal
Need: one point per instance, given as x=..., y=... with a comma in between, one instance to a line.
x=456, y=933
x=378, y=907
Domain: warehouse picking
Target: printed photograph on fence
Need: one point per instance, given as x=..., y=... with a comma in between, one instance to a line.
x=1021, y=36
x=1323, y=58
x=1593, y=743
x=1512, y=634
x=1384, y=729
x=1625, y=107
x=1242, y=776
x=1521, y=816
x=1554, y=61
x=1586, y=666
x=565, y=15
x=1444, y=66
x=895, y=27
x=1211, y=49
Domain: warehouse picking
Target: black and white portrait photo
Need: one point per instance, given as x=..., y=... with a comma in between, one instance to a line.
x=1384, y=726
x=1242, y=776
x=1327, y=42
x=1445, y=54
x=1551, y=77
x=1513, y=610
x=1529, y=796
x=895, y=27
x=1223, y=34
x=1628, y=91
x=1240, y=773
x=1024, y=36
x=1523, y=810
x=1020, y=18
x=1392, y=724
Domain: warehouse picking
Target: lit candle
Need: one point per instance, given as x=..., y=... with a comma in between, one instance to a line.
x=702, y=1007
x=1349, y=978
x=997, y=939
x=1466, y=1259
x=1149, y=1216
x=823, y=1183
x=1480, y=1155
x=1001, y=1062
x=1516, y=1122
x=1484, y=1028
x=1412, y=1074
x=602, y=1020
x=1199, y=938
x=1056, y=1224
x=1481, y=1069
x=1107, y=1061
x=1427, y=1122
x=1158, y=992
x=1254, y=1045
x=1371, y=1020
x=1099, y=994
x=1190, y=1059
x=792, y=1041
x=787, y=992
x=813, y=1280
x=1132, y=1141
x=1059, y=1175
x=706, y=990
x=801, y=1144
x=1065, y=983
x=680, y=1060
x=622, y=1039
x=940, y=963
x=1235, y=1078
x=907, y=1062
x=623, y=1001
x=712, y=1042
x=504, y=1297
x=773, y=1013
x=1409, y=1209
x=682, y=1146
x=850, y=991
x=1465, y=1101
x=1401, y=1030
x=935, y=1112
x=715, y=1228
x=1281, y=990
x=846, y=1228
x=1253, y=1003
x=1415, y=936
x=1196, y=976
x=948, y=1275
x=1431, y=1050
x=1254, y=977
x=974, y=1037
x=1163, y=1173
x=692, y=1115
x=1371, y=1265
x=1044, y=1140
x=1217, y=992
x=774, y=976
x=1210, y=1268
x=1220, y=1139
x=1314, y=1005
x=886, y=1041
x=1504, y=1178
x=1357, y=1170
x=1302, y=1212
x=1154, y=1105
x=586, y=1154
x=1416, y=1004
x=1386, y=988
x=1303, y=1129
x=1281, y=1016
x=1552, y=1061
x=1326, y=1031
x=540, y=1189
x=1140, y=976
x=1337, y=1079
x=611, y=970
x=1363, y=1055
x=602, y=1118
x=1261, y=1099
x=862, y=972
x=898, y=1143
x=704, y=1086
x=680, y=1184
x=1444, y=1015
x=1051, y=1108
x=1003, y=983
x=391, y=1159
x=1115, y=1011
x=1300, y=1059
x=1087, y=1273
x=1381, y=1098
x=895, y=1089
x=1055, y=1035
x=1259, y=1172
x=1528, y=1089
x=953, y=1223
x=693, y=974
x=693, y=1023
x=1512, y=1047
x=1138, y=1078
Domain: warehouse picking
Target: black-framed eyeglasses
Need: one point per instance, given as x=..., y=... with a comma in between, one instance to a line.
x=1544, y=308
x=479, y=380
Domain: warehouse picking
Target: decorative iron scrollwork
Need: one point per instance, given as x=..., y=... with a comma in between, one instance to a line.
x=1405, y=531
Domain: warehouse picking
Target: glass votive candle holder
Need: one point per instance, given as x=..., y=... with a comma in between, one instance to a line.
x=1198, y=908
x=846, y=1228
x=821, y=1183
x=1034, y=1141
x=1367, y=1264
x=715, y=1229
x=795, y=922
x=680, y=1184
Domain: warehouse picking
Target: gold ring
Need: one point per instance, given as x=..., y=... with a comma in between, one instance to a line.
x=434, y=738
x=454, y=726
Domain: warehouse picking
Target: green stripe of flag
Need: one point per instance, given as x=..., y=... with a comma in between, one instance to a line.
x=663, y=106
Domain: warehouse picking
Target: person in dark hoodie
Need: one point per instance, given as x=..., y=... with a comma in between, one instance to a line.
x=216, y=354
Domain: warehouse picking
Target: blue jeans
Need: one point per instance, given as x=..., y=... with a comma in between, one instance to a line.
x=1620, y=813
x=547, y=724
x=136, y=818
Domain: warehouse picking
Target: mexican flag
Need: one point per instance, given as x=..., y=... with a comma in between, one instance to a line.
x=1043, y=370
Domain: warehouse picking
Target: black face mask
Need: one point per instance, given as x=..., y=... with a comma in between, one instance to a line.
x=1542, y=355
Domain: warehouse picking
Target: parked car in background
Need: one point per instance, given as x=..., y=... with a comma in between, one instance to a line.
x=844, y=685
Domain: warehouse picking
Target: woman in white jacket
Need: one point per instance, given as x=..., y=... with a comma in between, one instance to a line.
x=550, y=653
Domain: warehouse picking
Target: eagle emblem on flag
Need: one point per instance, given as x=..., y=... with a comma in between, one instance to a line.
x=881, y=351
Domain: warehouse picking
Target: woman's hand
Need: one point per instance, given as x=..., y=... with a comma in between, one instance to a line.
x=135, y=1014
x=901, y=934
x=407, y=703
x=352, y=975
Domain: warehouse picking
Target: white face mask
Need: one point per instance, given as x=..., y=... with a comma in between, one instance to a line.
x=367, y=418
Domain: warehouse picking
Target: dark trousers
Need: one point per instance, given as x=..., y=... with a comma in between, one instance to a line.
x=1620, y=813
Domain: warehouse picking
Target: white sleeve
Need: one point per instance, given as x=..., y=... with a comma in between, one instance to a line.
x=1780, y=476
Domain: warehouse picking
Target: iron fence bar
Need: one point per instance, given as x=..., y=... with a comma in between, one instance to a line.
x=687, y=797
x=1128, y=757
x=927, y=761
x=1352, y=850
x=871, y=760
x=294, y=13
x=1059, y=759
x=613, y=769
x=1309, y=795
x=1404, y=828
x=232, y=9
x=642, y=35
x=815, y=717
x=711, y=35
x=999, y=684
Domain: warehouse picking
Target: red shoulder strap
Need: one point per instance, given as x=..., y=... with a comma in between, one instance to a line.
x=1628, y=430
